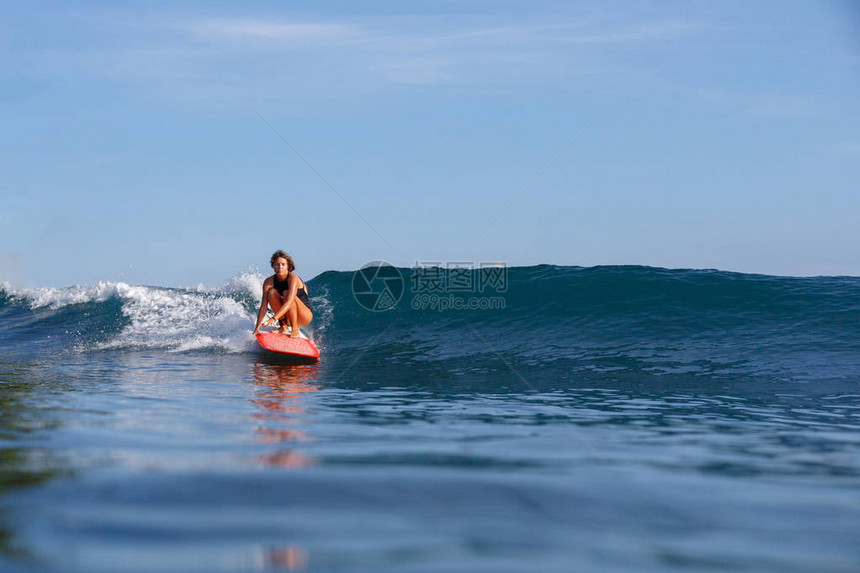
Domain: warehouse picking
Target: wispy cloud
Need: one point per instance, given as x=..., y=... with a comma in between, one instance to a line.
x=302, y=33
x=424, y=34
x=778, y=106
x=419, y=70
x=222, y=61
x=635, y=33
x=845, y=148
x=444, y=50
x=783, y=106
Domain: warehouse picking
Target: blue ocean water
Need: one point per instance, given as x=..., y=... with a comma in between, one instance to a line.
x=605, y=419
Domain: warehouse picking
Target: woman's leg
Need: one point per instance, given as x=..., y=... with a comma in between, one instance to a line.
x=276, y=301
x=300, y=316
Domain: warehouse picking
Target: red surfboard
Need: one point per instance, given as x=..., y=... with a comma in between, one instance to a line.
x=283, y=344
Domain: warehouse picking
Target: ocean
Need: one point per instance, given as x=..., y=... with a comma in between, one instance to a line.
x=544, y=419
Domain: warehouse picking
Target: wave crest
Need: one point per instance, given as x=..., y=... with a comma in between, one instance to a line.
x=599, y=318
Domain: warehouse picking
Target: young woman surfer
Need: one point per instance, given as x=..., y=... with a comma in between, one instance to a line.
x=285, y=292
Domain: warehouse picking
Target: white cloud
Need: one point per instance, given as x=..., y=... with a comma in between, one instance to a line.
x=782, y=106
x=778, y=106
x=249, y=62
x=417, y=70
x=635, y=33
x=431, y=33
x=292, y=32
x=444, y=50
x=845, y=148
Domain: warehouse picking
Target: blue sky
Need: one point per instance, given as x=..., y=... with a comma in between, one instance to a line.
x=137, y=147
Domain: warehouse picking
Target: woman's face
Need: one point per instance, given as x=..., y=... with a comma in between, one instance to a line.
x=280, y=266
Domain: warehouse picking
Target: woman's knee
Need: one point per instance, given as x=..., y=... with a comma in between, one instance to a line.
x=305, y=315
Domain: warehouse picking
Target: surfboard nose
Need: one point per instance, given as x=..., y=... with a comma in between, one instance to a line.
x=284, y=344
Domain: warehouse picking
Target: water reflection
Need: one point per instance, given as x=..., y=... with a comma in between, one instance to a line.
x=281, y=402
x=281, y=398
x=289, y=558
x=23, y=463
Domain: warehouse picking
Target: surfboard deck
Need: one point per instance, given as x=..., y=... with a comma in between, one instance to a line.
x=283, y=344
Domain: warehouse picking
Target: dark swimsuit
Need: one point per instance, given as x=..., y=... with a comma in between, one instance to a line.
x=301, y=293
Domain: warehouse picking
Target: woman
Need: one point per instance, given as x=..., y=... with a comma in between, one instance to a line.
x=285, y=292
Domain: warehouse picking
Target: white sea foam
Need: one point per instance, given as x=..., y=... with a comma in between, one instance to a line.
x=183, y=320
x=173, y=319
x=249, y=283
x=54, y=298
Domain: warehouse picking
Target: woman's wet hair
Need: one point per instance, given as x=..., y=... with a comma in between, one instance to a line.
x=279, y=254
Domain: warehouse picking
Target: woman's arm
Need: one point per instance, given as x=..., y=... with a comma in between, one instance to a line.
x=264, y=306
